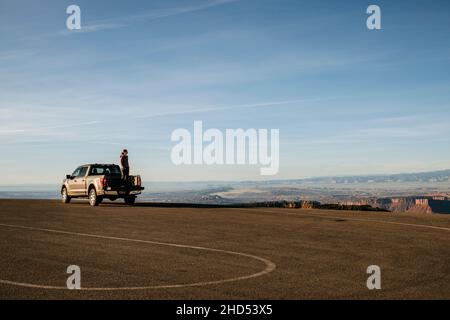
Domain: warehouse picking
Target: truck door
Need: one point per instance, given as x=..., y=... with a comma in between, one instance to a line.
x=70, y=183
x=79, y=182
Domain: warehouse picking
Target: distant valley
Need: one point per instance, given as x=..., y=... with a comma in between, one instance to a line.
x=426, y=192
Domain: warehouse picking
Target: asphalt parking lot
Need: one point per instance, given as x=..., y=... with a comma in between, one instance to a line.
x=150, y=252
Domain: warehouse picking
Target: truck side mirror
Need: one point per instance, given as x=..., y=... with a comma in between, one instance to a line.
x=68, y=176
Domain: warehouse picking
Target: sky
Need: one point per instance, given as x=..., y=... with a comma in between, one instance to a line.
x=347, y=100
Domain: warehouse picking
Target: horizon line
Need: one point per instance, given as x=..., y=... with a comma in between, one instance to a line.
x=256, y=180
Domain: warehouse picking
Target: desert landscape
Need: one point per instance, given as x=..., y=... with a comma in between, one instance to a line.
x=200, y=152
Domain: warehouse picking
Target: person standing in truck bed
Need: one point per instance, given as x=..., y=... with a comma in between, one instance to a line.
x=125, y=165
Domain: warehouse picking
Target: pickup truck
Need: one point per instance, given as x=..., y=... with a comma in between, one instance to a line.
x=99, y=181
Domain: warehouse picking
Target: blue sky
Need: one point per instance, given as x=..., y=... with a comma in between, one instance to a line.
x=346, y=100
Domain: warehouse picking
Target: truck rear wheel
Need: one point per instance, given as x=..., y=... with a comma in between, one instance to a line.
x=65, y=198
x=130, y=200
x=94, y=200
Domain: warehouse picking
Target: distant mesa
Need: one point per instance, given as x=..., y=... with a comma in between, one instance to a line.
x=304, y=204
x=431, y=204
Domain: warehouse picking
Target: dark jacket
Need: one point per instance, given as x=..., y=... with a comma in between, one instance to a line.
x=124, y=161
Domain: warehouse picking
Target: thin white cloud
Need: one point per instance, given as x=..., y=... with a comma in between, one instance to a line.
x=16, y=54
x=46, y=130
x=92, y=28
x=30, y=129
x=9, y=131
x=373, y=136
x=241, y=106
x=71, y=125
x=147, y=16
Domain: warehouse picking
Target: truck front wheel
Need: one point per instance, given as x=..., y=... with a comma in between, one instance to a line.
x=130, y=200
x=65, y=196
x=94, y=200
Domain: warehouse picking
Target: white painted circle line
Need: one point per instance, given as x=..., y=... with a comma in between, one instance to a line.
x=352, y=219
x=270, y=266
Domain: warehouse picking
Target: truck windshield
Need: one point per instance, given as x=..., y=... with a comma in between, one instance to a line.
x=111, y=170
